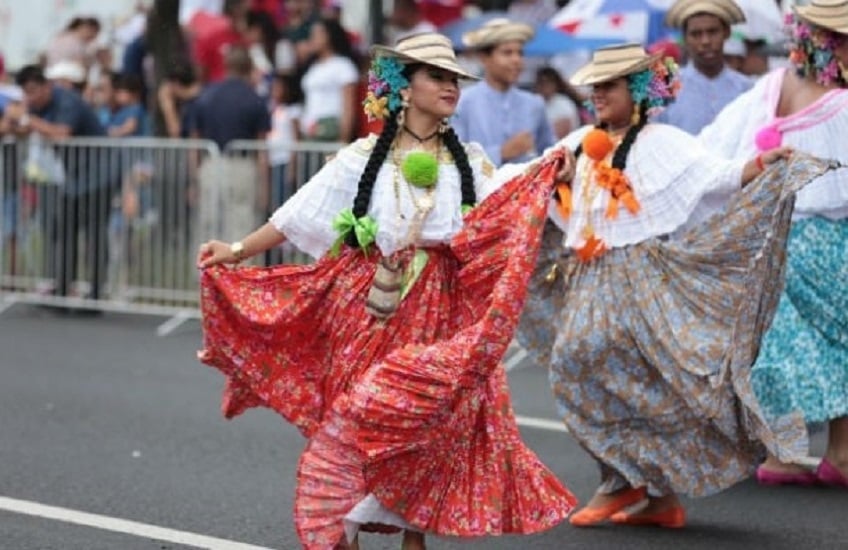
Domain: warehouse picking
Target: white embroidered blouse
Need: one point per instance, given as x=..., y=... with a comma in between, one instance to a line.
x=306, y=219
x=675, y=179
x=820, y=129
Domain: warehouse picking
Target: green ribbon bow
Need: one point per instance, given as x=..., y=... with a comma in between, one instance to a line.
x=365, y=229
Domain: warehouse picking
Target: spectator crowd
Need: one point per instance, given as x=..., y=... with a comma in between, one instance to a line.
x=279, y=72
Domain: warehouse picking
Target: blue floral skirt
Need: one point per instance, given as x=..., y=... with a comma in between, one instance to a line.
x=650, y=347
x=803, y=364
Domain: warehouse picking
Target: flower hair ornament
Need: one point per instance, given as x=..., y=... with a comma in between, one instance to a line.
x=657, y=86
x=385, y=81
x=811, y=51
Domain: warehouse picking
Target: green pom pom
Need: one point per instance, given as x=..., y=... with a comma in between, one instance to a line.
x=466, y=208
x=420, y=169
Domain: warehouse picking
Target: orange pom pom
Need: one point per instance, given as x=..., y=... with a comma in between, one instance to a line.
x=597, y=144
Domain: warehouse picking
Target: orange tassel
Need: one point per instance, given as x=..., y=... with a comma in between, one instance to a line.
x=593, y=248
x=630, y=202
x=563, y=200
x=612, y=209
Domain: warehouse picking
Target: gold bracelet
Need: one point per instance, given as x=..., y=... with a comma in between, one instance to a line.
x=237, y=250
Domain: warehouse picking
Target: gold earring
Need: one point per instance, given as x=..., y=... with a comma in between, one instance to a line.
x=443, y=126
x=404, y=105
x=636, y=117
x=843, y=70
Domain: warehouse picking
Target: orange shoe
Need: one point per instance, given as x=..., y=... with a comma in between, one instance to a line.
x=673, y=518
x=592, y=516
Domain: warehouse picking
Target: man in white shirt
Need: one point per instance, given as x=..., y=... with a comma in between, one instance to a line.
x=510, y=123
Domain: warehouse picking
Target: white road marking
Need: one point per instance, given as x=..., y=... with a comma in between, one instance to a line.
x=541, y=423
x=122, y=525
x=172, y=324
x=515, y=360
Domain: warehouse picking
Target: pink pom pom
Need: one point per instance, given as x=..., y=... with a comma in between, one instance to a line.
x=768, y=138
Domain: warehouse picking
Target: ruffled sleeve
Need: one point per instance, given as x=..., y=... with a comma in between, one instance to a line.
x=673, y=177
x=306, y=219
x=485, y=182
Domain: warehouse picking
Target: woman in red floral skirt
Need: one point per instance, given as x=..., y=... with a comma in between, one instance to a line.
x=386, y=352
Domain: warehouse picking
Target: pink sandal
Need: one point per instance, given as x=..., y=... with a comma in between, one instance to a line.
x=772, y=477
x=829, y=474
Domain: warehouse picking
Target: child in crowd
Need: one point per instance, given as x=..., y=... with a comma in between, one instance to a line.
x=128, y=117
x=286, y=108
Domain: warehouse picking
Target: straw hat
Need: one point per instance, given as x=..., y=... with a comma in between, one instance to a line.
x=429, y=48
x=614, y=62
x=497, y=31
x=726, y=10
x=828, y=14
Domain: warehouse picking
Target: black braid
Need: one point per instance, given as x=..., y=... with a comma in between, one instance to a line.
x=451, y=141
x=619, y=159
x=372, y=168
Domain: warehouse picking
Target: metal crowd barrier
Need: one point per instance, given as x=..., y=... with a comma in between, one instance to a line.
x=114, y=224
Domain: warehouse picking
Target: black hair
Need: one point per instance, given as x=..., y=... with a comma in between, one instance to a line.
x=231, y=7
x=129, y=82
x=554, y=76
x=113, y=76
x=339, y=39
x=92, y=22
x=265, y=23
x=30, y=73
x=181, y=73
x=686, y=21
x=291, y=84
x=372, y=168
x=562, y=86
x=381, y=151
x=75, y=23
x=619, y=159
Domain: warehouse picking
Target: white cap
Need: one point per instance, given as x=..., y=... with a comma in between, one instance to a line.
x=734, y=46
x=11, y=92
x=65, y=70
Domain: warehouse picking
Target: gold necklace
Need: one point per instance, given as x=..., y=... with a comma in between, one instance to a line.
x=423, y=207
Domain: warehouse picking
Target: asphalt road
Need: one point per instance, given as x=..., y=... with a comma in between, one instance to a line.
x=101, y=416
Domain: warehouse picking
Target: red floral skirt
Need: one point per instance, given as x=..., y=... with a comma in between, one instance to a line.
x=414, y=409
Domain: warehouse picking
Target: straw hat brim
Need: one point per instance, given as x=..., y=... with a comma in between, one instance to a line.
x=442, y=62
x=726, y=10
x=497, y=32
x=596, y=73
x=824, y=17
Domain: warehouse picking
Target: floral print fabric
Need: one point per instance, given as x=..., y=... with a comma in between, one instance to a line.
x=650, y=346
x=414, y=410
x=804, y=361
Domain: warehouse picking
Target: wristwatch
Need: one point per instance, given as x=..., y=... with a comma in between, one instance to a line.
x=237, y=250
